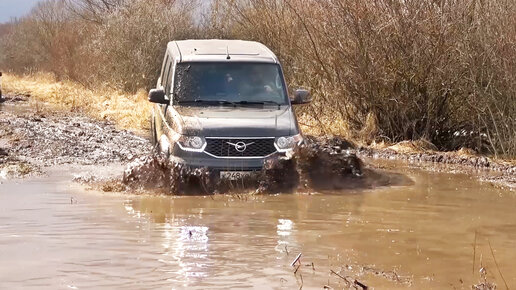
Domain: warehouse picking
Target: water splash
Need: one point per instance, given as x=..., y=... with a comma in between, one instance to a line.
x=319, y=164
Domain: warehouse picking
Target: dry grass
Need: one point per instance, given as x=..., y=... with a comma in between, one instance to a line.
x=410, y=146
x=128, y=111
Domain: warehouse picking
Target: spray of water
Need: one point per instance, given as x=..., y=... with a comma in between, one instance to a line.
x=320, y=164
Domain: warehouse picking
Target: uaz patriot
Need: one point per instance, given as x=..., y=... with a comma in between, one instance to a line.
x=223, y=104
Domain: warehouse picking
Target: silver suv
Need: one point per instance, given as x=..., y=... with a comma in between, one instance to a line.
x=223, y=104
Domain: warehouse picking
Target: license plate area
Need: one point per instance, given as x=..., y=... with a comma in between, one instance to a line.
x=235, y=175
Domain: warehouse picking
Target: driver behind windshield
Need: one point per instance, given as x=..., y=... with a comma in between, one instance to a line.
x=259, y=85
x=229, y=82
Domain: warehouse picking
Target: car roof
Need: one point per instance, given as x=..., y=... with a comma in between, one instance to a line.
x=207, y=50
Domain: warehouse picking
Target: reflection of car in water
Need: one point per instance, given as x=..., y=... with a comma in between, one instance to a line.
x=223, y=104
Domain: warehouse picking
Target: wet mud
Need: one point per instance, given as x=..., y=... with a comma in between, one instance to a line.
x=316, y=165
x=452, y=158
x=33, y=140
x=500, y=173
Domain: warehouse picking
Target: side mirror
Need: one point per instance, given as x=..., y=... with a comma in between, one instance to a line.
x=157, y=96
x=301, y=97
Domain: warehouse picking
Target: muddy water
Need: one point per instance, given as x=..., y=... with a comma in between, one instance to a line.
x=54, y=234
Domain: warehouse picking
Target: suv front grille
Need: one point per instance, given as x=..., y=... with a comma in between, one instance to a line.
x=258, y=147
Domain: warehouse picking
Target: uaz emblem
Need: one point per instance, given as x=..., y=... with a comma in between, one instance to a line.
x=240, y=146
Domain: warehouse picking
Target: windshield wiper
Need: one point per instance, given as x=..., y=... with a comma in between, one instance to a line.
x=226, y=102
x=197, y=101
x=259, y=103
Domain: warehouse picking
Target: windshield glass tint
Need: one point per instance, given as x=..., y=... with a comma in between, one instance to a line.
x=231, y=82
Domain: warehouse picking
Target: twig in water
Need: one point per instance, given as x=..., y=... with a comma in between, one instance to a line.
x=286, y=249
x=295, y=260
x=310, y=265
x=335, y=273
x=496, y=263
x=361, y=285
x=342, y=277
x=297, y=268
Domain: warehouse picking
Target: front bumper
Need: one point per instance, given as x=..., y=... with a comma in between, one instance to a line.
x=204, y=160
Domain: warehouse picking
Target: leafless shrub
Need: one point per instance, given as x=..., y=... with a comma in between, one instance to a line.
x=45, y=40
x=122, y=51
x=93, y=10
x=128, y=46
x=442, y=71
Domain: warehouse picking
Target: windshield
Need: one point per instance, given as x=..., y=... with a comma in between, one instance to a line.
x=229, y=83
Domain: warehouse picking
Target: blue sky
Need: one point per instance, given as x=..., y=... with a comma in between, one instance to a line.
x=15, y=8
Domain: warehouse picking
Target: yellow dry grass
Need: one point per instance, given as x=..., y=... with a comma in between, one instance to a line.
x=410, y=146
x=323, y=126
x=125, y=110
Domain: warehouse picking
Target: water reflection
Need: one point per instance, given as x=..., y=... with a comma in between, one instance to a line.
x=284, y=227
x=284, y=231
x=184, y=247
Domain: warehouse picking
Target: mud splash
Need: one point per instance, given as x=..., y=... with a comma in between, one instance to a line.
x=322, y=164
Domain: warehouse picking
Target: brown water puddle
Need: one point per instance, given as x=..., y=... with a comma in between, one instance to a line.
x=57, y=235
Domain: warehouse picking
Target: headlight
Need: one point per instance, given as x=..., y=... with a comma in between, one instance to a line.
x=191, y=143
x=288, y=142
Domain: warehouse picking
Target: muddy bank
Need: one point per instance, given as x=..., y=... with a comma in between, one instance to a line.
x=463, y=158
x=39, y=139
x=496, y=172
x=13, y=99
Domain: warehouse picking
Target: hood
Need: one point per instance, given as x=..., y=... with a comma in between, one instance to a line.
x=227, y=121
